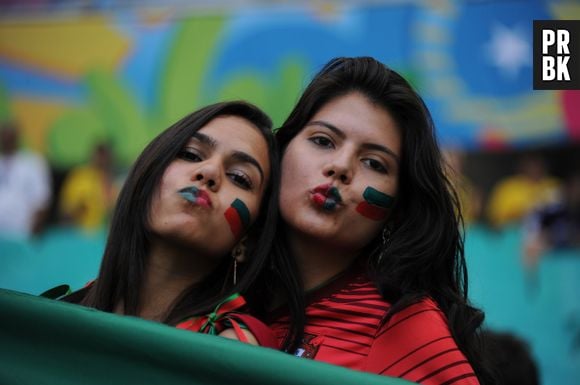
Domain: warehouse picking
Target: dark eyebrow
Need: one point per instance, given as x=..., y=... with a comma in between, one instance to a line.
x=342, y=135
x=204, y=139
x=331, y=127
x=239, y=156
x=246, y=158
x=378, y=147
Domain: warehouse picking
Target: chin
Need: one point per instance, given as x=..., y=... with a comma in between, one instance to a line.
x=325, y=230
x=316, y=227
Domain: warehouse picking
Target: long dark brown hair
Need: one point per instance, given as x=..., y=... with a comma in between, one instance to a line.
x=426, y=255
x=126, y=253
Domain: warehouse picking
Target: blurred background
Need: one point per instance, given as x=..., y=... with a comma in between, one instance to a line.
x=84, y=85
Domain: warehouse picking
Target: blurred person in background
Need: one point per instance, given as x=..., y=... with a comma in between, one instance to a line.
x=555, y=225
x=510, y=358
x=89, y=192
x=516, y=196
x=468, y=193
x=25, y=186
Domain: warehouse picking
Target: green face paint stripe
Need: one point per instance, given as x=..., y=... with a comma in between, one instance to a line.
x=333, y=192
x=329, y=204
x=188, y=196
x=243, y=211
x=378, y=198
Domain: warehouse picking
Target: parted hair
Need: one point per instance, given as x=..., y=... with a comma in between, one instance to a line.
x=125, y=258
x=425, y=257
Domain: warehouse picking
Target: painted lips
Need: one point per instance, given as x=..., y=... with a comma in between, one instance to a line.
x=326, y=196
x=196, y=196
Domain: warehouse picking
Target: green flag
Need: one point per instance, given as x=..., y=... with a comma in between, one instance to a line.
x=44, y=341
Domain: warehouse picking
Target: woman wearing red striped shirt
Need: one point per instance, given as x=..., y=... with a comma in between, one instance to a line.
x=373, y=225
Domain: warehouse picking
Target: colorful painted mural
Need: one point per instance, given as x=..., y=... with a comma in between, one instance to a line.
x=123, y=77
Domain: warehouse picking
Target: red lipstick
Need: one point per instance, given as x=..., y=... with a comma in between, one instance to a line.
x=203, y=199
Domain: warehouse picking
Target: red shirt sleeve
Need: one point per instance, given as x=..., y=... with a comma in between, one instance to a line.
x=416, y=345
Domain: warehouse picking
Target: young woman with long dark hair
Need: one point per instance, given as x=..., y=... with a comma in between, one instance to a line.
x=375, y=230
x=193, y=227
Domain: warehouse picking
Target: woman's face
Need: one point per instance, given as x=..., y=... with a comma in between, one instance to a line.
x=340, y=173
x=211, y=193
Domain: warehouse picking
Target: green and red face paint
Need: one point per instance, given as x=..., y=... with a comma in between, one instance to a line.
x=195, y=196
x=326, y=196
x=376, y=204
x=238, y=217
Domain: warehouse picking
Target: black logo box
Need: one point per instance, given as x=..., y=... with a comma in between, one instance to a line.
x=573, y=28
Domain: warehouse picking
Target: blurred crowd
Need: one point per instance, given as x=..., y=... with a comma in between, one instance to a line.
x=30, y=200
x=546, y=207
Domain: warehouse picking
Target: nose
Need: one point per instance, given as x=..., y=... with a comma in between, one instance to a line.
x=208, y=174
x=339, y=168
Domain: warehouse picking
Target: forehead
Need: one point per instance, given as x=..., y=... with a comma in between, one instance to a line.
x=361, y=120
x=233, y=133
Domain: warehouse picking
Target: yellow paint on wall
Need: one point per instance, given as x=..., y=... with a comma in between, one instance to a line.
x=63, y=47
x=565, y=11
x=156, y=16
x=35, y=117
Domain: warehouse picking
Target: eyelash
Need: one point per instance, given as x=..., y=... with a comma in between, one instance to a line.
x=240, y=179
x=318, y=139
x=375, y=165
x=237, y=177
x=189, y=156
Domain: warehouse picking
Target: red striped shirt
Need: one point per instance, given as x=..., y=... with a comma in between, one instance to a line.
x=345, y=327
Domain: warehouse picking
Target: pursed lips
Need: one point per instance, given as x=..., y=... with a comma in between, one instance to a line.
x=326, y=196
x=196, y=196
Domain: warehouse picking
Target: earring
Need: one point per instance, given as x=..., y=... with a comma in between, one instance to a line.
x=237, y=252
x=235, y=271
x=385, y=242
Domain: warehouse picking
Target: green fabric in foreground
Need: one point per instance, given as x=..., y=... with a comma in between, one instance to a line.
x=48, y=342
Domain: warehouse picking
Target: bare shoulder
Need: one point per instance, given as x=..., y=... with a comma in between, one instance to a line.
x=231, y=334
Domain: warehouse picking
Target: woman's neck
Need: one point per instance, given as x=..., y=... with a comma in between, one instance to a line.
x=318, y=261
x=169, y=271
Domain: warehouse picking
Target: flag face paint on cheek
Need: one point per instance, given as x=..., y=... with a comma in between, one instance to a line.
x=376, y=204
x=238, y=217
